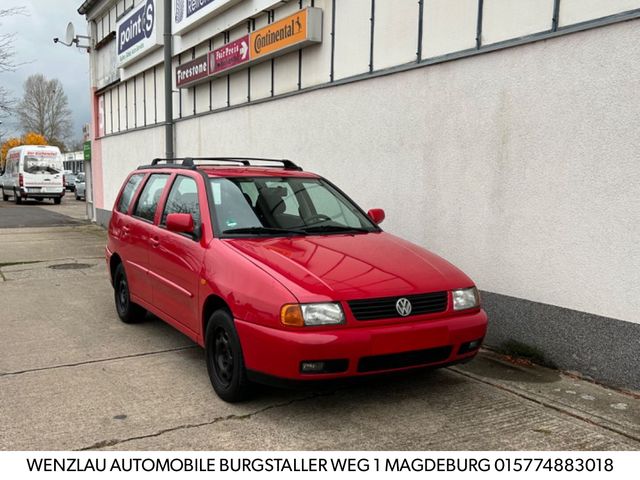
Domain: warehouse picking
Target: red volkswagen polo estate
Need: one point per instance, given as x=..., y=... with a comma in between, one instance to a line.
x=280, y=276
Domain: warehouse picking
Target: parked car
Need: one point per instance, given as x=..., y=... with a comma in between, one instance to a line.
x=69, y=180
x=80, y=186
x=33, y=172
x=281, y=277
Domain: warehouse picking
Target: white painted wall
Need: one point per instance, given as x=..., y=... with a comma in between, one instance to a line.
x=506, y=19
x=123, y=153
x=576, y=11
x=449, y=26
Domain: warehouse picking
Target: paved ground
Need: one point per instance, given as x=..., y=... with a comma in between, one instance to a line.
x=33, y=213
x=72, y=376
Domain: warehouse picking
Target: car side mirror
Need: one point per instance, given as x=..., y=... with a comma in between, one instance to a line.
x=180, y=223
x=377, y=215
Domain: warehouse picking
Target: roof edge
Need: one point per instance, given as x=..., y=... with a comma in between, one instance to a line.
x=86, y=6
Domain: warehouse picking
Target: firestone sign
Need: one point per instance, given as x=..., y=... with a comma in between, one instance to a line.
x=138, y=32
x=192, y=72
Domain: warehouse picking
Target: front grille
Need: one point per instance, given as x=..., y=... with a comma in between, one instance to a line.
x=404, y=359
x=377, y=308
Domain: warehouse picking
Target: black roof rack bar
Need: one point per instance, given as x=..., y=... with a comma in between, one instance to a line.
x=189, y=162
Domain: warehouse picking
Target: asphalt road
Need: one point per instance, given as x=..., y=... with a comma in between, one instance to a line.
x=33, y=213
x=72, y=376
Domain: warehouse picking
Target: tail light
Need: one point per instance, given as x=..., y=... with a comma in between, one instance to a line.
x=21, y=180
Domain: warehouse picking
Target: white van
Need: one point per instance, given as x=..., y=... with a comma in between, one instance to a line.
x=33, y=171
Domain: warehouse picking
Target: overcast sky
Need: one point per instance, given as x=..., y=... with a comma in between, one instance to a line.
x=37, y=53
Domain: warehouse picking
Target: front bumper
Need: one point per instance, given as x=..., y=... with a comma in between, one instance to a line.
x=361, y=350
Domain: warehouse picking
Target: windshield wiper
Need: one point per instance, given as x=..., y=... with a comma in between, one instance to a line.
x=264, y=230
x=336, y=228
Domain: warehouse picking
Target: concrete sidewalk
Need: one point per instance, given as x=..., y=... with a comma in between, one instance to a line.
x=72, y=376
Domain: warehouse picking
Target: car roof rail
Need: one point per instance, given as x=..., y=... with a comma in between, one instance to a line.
x=244, y=161
x=189, y=162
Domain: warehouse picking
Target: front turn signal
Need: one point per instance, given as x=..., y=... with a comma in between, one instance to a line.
x=291, y=315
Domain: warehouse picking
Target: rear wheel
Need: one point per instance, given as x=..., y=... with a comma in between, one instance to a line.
x=17, y=197
x=57, y=200
x=225, y=362
x=128, y=311
x=5, y=197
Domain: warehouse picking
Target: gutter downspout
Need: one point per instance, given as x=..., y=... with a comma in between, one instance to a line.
x=168, y=82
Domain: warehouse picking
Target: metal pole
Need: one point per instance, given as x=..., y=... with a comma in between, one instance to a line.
x=168, y=82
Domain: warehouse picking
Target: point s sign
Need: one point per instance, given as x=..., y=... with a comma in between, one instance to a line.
x=138, y=32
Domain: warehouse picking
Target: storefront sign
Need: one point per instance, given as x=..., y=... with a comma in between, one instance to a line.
x=231, y=55
x=291, y=33
x=189, y=13
x=138, y=32
x=86, y=151
x=192, y=72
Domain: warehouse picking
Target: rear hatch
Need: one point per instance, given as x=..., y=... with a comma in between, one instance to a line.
x=43, y=173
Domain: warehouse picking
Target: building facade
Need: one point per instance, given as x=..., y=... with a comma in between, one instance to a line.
x=500, y=134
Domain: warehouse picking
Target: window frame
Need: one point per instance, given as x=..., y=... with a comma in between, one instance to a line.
x=134, y=197
x=197, y=231
x=154, y=220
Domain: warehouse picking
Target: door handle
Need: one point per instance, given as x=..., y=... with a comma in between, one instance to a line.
x=154, y=242
x=125, y=230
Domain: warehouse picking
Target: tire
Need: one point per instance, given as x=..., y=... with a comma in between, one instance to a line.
x=17, y=198
x=77, y=197
x=5, y=197
x=57, y=200
x=128, y=311
x=225, y=362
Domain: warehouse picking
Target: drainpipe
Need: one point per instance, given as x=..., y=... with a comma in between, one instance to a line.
x=168, y=82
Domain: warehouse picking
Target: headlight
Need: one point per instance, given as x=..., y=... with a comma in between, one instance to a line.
x=311, y=314
x=465, y=298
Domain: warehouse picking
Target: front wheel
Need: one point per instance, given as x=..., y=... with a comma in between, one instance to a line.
x=225, y=362
x=57, y=201
x=5, y=197
x=128, y=311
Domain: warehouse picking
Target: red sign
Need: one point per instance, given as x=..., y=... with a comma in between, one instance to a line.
x=231, y=55
x=192, y=72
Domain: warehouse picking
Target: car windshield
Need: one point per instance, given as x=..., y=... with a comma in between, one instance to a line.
x=40, y=165
x=273, y=206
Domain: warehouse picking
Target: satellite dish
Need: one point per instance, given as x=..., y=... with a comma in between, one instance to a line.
x=71, y=33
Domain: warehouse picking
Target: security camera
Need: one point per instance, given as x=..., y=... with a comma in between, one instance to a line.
x=56, y=40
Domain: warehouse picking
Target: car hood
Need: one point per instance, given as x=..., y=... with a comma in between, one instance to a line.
x=343, y=267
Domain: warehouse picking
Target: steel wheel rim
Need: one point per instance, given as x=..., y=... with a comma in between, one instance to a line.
x=123, y=295
x=223, y=357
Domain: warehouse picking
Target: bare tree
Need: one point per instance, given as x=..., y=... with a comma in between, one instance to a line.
x=7, y=53
x=44, y=109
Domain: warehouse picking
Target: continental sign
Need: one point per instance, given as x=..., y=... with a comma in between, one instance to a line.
x=291, y=33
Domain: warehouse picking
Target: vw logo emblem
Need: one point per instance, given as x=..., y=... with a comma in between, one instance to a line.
x=403, y=306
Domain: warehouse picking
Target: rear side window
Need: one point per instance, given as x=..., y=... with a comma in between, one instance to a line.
x=150, y=196
x=183, y=198
x=127, y=194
